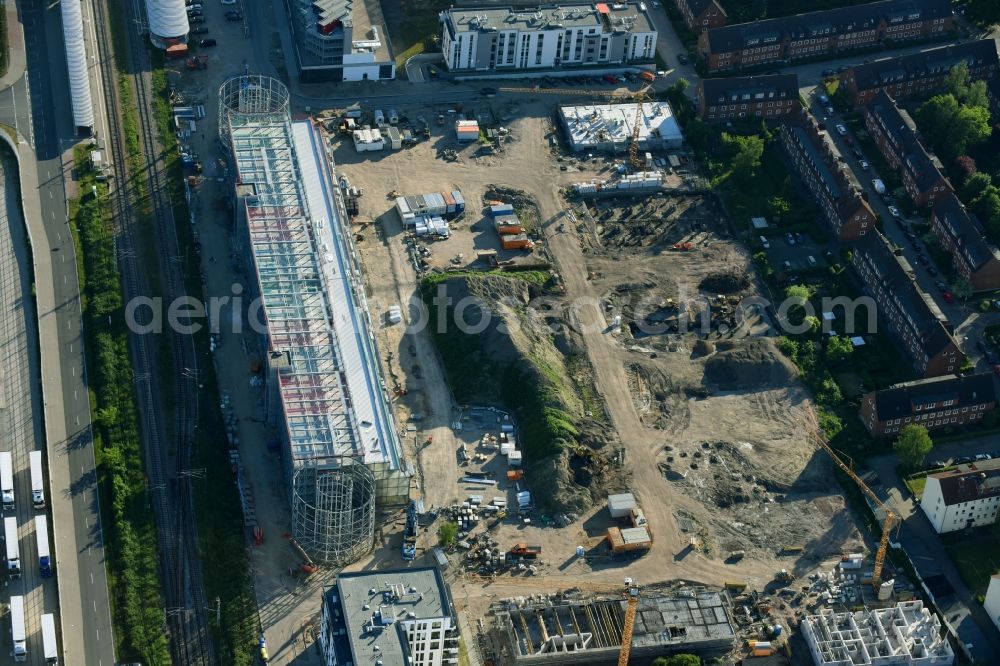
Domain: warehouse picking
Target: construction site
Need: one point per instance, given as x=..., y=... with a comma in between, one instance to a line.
x=573, y=628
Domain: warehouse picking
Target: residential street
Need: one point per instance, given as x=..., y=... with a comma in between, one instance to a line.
x=931, y=559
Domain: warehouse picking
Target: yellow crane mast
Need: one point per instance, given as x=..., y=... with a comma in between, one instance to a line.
x=890, y=517
x=632, y=589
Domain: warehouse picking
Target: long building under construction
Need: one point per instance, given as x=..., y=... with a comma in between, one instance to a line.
x=553, y=630
x=324, y=388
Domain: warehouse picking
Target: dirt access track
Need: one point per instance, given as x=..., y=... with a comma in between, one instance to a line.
x=757, y=429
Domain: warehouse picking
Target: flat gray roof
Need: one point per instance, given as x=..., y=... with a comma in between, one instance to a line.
x=375, y=604
x=626, y=16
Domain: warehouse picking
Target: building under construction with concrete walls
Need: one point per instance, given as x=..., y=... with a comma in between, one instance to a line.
x=323, y=385
x=588, y=630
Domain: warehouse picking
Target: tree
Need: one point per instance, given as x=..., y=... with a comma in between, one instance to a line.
x=681, y=85
x=977, y=183
x=962, y=289
x=698, y=134
x=913, y=445
x=678, y=660
x=746, y=153
x=447, y=533
x=799, y=291
x=778, y=207
x=953, y=127
x=839, y=349
x=963, y=88
x=965, y=168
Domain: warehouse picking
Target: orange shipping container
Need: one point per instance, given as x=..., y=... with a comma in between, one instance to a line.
x=177, y=50
x=514, y=242
x=515, y=475
x=510, y=230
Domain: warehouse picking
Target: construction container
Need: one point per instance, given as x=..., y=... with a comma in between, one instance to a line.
x=515, y=475
x=177, y=51
x=467, y=130
x=501, y=209
x=379, y=118
x=629, y=540
x=449, y=202
x=514, y=458
x=440, y=559
x=621, y=505
x=459, y=202
x=394, y=139
x=515, y=242
x=508, y=224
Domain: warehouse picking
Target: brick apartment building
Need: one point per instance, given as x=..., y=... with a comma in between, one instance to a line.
x=748, y=97
x=815, y=158
x=922, y=331
x=895, y=133
x=823, y=33
x=702, y=15
x=919, y=74
x=934, y=403
x=974, y=257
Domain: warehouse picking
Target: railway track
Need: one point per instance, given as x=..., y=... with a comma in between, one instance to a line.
x=170, y=487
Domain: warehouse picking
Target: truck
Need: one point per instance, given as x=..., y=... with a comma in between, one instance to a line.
x=409, y=551
x=6, y=480
x=49, y=647
x=526, y=551
x=42, y=537
x=37, y=480
x=20, y=651
x=13, y=552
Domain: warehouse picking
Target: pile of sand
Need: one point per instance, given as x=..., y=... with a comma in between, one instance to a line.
x=755, y=364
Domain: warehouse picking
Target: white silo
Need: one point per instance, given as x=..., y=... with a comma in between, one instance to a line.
x=168, y=22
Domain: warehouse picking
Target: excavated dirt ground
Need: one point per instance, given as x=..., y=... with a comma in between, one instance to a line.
x=653, y=387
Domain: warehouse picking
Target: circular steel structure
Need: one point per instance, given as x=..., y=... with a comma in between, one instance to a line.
x=333, y=512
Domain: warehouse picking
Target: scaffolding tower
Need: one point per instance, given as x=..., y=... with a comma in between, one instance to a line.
x=333, y=512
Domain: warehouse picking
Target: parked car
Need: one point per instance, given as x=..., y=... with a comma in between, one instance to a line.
x=829, y=110
x=864, y=167
x=964, y=460
x=764, y=243
x=799, y=238
x=841, y=130
x=199, y=31
x=983, y=456
x=941, y=285
x=196, y=19
x=823, y=99
x=489, y=92
x=229, y=2
x=829, y=72
x=948, y=298
x=893, y=210
x=936, y=464
x=857, y=153
x=206, y=43
x=234, y=15
x=682, y=58
x=790, y=239
x=932, y=271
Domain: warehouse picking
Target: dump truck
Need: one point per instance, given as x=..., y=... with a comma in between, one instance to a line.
x=524, y=550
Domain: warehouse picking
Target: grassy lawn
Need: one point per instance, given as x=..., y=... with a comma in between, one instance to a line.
x=916, y=485
x=415, y=32
x=977, y=557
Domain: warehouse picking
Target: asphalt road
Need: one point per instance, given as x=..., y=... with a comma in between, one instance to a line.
x=79, y=549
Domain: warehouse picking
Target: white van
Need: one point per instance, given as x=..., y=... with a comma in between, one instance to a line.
x=764, y=243
x=811, y=259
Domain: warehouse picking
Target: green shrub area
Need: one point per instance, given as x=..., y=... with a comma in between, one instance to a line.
x=534, y=387
x=4, y=44
x=128, y=518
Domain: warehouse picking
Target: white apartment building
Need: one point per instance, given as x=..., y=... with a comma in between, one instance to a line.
x=549, y=37
x=992, y=603
x=395, y=618
x=959, y=499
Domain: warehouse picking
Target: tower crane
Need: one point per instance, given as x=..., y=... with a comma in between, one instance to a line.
x=631, y=605
x=891, y=519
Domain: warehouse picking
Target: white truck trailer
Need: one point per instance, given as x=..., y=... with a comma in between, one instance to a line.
x=49, y=647
x=37, y=480
x=6, y=480
x=13, y=552
x=42, y=537
x=20, y=651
